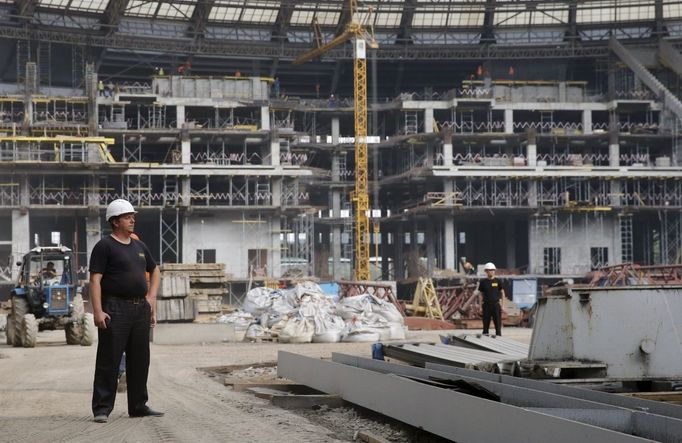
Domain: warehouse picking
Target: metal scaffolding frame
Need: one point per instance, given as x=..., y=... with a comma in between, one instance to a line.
x=169, y=236
x=671, y=237
x=626, y=238
x=298, y=242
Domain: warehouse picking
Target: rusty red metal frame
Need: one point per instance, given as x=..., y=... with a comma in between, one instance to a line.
x=630, y=274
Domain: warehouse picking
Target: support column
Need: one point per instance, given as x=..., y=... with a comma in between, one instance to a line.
x=185, y=148
x=180, y=116
x=275, y=262
x=447, y=148
x=532, y=194
x=531, y=148
x=450, y=234
x=508, y=121
x=616, y=193
x=430, y=238
x=587, y=121
x=185, y=192
x=384, y=247
x=428, y=120
x=274, y=149
x=265, y=118
x=93, y=224
x=21, y=238
x=336, y=204
x=399, y=260
x=614, y=146
x=511, y=243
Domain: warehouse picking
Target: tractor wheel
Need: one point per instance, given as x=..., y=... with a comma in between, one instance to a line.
x=89, y=330
x=9, y=329
x=29, y=331
x=73, y=332
x=19, y=309
x=78, y=310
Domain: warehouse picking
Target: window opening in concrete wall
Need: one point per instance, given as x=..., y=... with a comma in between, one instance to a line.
x=552, y=260
x=599, y=257
x=206, y=256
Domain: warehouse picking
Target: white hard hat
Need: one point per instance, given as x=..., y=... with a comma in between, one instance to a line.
x=119, y=207
x=490, y=266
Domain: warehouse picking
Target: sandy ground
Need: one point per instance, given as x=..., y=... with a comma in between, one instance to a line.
x=45, y=394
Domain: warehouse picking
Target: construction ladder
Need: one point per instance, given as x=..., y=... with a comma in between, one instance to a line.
x=411, y=122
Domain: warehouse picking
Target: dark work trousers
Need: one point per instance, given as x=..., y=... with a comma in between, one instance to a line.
x=127, y=331
x=492, y=311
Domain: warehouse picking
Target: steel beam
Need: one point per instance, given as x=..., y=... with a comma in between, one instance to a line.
x=640, y=419
x=449, y=414
x=290, y=51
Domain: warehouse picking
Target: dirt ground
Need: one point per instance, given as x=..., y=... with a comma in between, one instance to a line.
x=45, y=395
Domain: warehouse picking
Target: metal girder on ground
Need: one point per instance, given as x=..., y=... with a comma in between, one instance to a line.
x=664, y=424
x=449, y=414
x=217, y=48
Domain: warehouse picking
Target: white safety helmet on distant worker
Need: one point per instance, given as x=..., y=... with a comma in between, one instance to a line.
x=119, y=207
x=489, y=267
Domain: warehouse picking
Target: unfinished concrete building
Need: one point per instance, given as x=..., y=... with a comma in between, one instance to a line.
x=540, y=136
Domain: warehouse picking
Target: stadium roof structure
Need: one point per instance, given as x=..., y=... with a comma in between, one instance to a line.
x=274, y=31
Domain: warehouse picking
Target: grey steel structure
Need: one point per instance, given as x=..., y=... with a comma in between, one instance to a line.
x=463, y=417
x=635, y=331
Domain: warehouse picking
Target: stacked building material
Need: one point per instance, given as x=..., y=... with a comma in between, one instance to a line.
x=204, y=287
x=173, y=302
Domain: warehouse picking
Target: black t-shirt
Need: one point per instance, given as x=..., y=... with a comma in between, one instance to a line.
x=122, y=267
x=490, y=288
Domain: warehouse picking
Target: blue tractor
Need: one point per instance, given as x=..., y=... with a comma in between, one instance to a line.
x=48, y=296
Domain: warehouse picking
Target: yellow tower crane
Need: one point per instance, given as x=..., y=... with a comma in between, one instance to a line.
x=362, y=39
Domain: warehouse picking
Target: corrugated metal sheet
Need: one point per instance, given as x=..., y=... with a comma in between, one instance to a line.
x=501, y=345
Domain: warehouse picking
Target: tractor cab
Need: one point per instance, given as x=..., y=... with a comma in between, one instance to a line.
x=48, y=281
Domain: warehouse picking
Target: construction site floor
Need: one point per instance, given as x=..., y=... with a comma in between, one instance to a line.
x=45, y=394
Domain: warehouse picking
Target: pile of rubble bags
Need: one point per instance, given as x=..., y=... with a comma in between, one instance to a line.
x=305, y=314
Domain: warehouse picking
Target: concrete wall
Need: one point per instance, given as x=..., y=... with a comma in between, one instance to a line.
x=575, y=235
x=231, y=238
x=251, y=88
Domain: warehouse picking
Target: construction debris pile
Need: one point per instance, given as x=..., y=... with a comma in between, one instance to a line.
x=305, y=314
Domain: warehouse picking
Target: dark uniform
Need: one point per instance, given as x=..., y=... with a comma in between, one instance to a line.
x=490, y=289
x=124, y=286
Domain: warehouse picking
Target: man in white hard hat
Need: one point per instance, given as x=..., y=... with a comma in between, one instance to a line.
x=123, y=306
x=492, y=294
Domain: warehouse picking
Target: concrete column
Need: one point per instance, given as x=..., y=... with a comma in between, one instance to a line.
x=562, y=92
x=21, y=238
x=532, y=194
x=187, y=247
x=385, y=253
x=430, y=234
x=336, y=214
x=275, y=259
x=531, y=149
x=335, y=130
x=450, y=233
x=93, y=229
x=508, y=121
x=511, y=243
x=180, y=116
x=185, y=192
x=447, y=149
x=428, y=120
x=614, y=146
x=275, y=152
x=265, y=118
x=587, y=121
x=616, y=193
x=398, y=259
x=276, y=191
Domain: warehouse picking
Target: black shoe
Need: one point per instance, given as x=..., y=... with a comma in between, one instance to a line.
x=147, y=412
